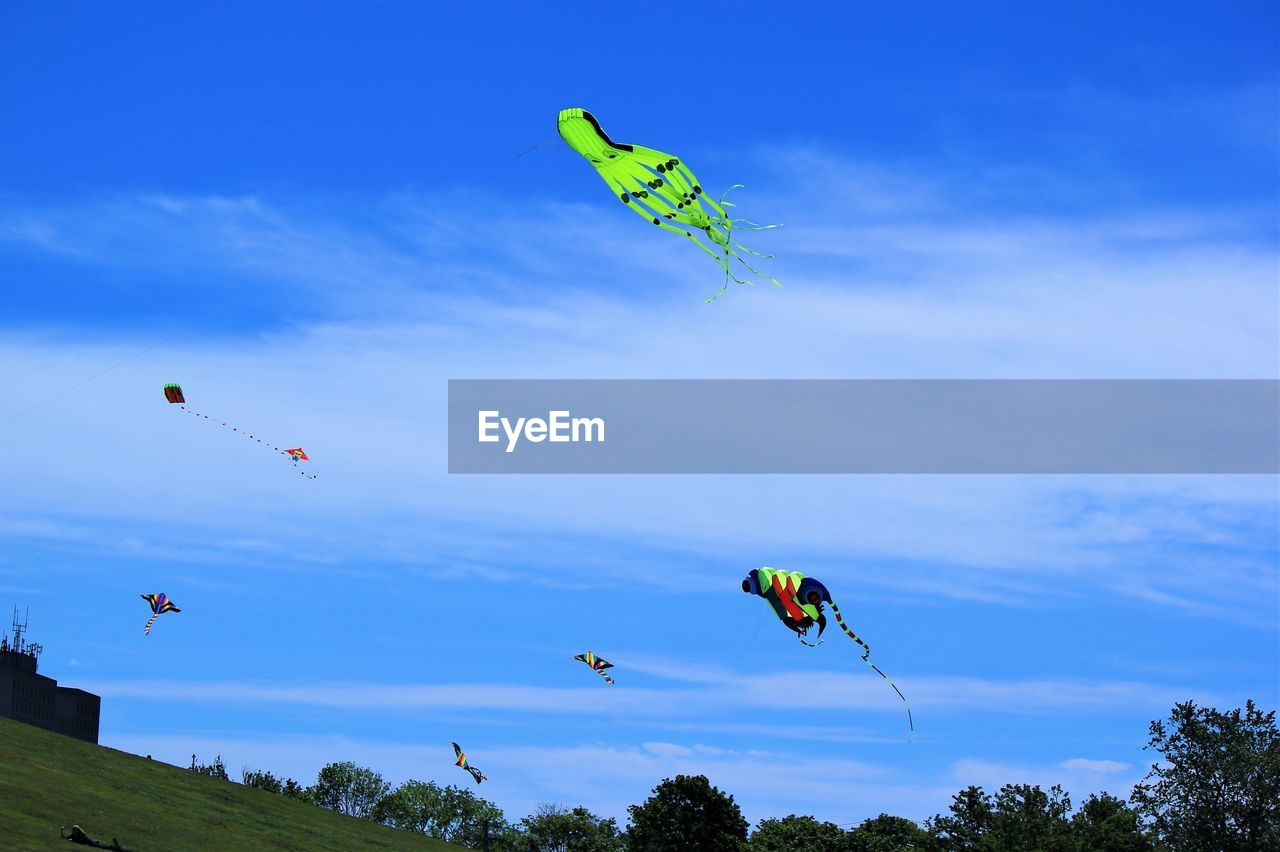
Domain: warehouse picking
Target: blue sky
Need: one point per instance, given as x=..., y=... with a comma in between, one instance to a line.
x=313, y=218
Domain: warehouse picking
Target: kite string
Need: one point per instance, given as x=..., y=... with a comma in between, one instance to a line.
x=548, y=143
x=92, y=378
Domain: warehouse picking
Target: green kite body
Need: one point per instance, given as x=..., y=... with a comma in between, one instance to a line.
x=797, y=601
x=662, y=190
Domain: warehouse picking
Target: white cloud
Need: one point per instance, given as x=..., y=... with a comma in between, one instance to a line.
x=713, y=698
x=1088, y=765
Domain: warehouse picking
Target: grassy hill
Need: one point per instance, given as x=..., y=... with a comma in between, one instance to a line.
x=48, y=780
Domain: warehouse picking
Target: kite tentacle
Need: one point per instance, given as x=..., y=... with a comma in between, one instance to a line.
x=146, y=631
x=854, y=636
x=676, y=199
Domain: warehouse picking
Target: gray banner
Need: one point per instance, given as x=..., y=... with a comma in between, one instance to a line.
x=874, y=426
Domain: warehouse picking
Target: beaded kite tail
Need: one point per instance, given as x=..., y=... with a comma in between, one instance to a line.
x=146, y=631
x=854, y=636
x=251, y=437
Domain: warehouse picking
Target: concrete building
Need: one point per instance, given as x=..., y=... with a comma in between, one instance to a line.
x=28, y=696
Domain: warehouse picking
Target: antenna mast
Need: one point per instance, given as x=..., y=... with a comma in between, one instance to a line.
x=20, y=645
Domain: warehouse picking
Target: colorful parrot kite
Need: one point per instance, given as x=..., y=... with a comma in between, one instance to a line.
x=173, y=393
x=160, y=604
x=462, y=761
x=797, y=601
x=597, y=664
x=662, y=190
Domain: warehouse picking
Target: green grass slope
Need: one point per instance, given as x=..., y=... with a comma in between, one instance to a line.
x=48, y=780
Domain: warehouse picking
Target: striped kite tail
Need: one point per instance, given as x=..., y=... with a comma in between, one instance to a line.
x=607, y=679
x=910, y=721
x=146, y=631
x=854, y=636
x=866, y=658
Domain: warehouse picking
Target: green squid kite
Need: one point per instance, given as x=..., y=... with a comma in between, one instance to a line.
x=662, y=190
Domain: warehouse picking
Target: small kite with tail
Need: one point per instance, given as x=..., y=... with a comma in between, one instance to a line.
x=160, y=604
x=462, y=762
x=597, y=664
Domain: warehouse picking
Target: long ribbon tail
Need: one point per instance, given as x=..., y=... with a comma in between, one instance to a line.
x=866, y=658
x=146, y=631
x=607, y=679
x=910, y=721
x=854, y=636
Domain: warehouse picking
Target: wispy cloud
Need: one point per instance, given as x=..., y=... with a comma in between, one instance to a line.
x=1084, y=763
x=772, y=691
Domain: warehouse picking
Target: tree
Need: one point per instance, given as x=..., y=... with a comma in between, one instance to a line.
x=1021, y=816
x=445, y=813
x=1107, y=823
x=1217, y=786
x=1027, y=817
x=552, y=828
x=413, y=806
x=686, y=814
x=889, y=834
x=469, y=820
x=970, y=823
x=349, y=789
x=293, y=790
x=261, y=780
x=213, y=770
x=798, y=832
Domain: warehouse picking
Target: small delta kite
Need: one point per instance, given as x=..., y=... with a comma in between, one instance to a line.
x=797, y=601
x=173, y=393
x=160, y=604
x=662, y=190
x=462, y=761
x=597, y=664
